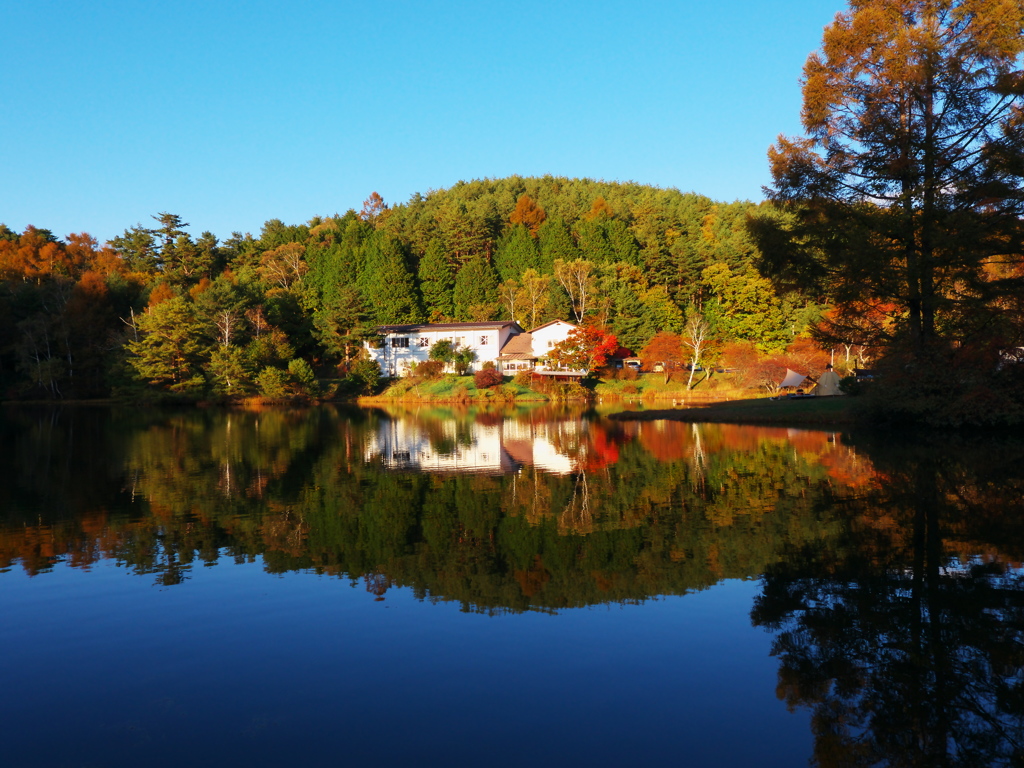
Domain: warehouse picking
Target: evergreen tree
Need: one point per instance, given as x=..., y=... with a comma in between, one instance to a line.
x=138, y=249
x=622, y=242
x=437, y=282
x=660, y=313
x=592, y=239
x=746, y=308
x=516, y=253
x=171, y=348
x=387, y=285
x=476, y=291
x=626, y=317
x=555, y=244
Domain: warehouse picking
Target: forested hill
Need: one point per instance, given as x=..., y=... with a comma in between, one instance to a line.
x=159, y=309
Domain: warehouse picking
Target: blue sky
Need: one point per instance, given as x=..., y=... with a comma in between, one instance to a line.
x=232, y=113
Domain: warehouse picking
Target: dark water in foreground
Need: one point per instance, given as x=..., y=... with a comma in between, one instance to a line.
x=503, y=588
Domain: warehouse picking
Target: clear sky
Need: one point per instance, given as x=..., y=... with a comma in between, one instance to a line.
x=232, y=113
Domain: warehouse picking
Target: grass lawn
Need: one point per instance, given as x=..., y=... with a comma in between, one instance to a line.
x=652, y=386
x=452, y=389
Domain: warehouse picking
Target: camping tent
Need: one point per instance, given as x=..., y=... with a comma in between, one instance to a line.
x=793, y=379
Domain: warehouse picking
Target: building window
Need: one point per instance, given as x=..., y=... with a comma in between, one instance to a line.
x=423, y=342
x=484, y=341
x=401, y=341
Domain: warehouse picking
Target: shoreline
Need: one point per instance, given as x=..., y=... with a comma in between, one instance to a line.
x=804, y=412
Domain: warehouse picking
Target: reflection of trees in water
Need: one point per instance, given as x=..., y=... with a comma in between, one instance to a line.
x=637, y=522
x=908, y=650
x=577, y=517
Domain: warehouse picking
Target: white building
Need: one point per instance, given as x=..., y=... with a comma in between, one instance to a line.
x=503, y=343
x=529, y=351
x=546, y=336
x=405, y=345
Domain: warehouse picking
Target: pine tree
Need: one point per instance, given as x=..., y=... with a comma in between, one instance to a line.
x=555, y=244
x=387, y=285
x=437, y=282
x=516, y=253
x=476, y=291
x=171, y=348
x=592, y=240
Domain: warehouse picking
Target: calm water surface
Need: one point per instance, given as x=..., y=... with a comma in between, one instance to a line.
x=544, y=587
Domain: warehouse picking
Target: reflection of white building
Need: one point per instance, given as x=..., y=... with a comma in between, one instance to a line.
x=533, y=444
x=405, y=443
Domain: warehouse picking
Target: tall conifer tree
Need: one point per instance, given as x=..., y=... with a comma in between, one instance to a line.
x=476, y=291
x=387, y=285
x=908, y=183
x=517, y=252
x=437, y=282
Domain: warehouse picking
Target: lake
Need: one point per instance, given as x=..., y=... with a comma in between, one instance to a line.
x=542, y=586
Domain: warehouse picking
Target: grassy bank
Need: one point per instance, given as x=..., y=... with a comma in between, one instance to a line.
x=646, y=389
x=652, y=386
x=452, y=389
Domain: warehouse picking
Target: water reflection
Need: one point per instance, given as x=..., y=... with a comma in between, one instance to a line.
x=905, y=635
x=555, y=440
x=891, y=568
x=560, y=508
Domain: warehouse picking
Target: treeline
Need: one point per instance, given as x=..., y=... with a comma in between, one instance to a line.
x=159, y=310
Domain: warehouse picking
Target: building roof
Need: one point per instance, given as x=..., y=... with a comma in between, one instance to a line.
x=489, y=325
x=552, y=322
x=518, y=347
x=566, y=373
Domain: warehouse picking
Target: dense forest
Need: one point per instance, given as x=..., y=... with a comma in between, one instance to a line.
x=160, y=310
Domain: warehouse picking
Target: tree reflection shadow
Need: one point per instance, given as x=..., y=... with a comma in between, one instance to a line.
x=905, y=637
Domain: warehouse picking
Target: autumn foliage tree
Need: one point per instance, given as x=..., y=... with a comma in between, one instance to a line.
x=586, y=348
x=528, y=213
x=666, y=350
x=908, y=180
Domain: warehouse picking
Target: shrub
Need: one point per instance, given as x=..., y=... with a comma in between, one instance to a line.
x=366, y=375
x=628, y=373
x=486, y=378
x=851, y=385
x=522, y=379
x=569, y=390
x=540, y=383
x=272, y=382
x=443, y=350
x=303, y=380
x=429, y=370
x=966, y=386
x=488, y=365
x=630, y=389
x=463, y=360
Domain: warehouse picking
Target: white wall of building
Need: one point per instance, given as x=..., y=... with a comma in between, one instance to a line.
x=547, y=336
x=402, y=350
